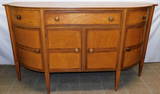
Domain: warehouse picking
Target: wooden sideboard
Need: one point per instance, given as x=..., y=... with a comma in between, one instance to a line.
x=79, y=36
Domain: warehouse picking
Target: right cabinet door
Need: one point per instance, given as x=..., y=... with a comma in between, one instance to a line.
x=135, y=32
x=102, y=48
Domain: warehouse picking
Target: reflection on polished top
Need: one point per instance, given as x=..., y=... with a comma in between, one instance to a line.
x=81, y=4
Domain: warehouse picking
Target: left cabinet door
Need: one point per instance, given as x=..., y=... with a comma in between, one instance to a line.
x=64, y=49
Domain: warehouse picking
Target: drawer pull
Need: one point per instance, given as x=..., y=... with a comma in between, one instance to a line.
x=128, y=49
x=76, y=50
x=57, y=19
x=91, y=50
x=110, y=19
x=144, y=17
x=18, y=17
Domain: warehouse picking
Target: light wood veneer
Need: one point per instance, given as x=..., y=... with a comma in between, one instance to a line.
x=62, y=38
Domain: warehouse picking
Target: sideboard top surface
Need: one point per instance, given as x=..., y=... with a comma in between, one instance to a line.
x=81, y=4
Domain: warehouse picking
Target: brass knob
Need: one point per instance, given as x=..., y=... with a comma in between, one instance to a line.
x=18, y=17
x=144, y=17
x=91, y=50
x=128, y=49
x=57, y=19
x=76, y=50
x=110, y=19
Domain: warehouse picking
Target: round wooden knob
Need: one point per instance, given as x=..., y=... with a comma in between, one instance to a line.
x=57, y=19
x=18, y=17
x=144, y=17
x=91, y=50
x=76, y=50
x=128, y=49
x=110, y=19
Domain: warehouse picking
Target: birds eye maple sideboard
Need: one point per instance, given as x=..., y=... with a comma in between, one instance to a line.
x=79, y=36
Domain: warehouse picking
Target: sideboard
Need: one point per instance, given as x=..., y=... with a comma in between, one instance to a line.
x=79, y=36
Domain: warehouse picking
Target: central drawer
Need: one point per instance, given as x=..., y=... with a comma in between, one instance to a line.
x=107, y=17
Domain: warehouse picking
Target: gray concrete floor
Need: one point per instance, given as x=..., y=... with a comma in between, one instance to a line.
x=82, y=83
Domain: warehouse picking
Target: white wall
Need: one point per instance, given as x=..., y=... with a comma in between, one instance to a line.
x=5, y=45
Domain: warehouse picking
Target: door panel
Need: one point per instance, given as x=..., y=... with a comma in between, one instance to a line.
x=108, y=38
x=103, y=60
x=65, y=60
x=65, y=38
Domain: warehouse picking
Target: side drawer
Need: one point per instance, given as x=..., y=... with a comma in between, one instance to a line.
x=26, y=17
x=136, y=16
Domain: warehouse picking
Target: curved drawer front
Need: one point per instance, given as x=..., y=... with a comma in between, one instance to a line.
x=27, y=37
x=132, y=57
x=26, y=17
x=136, y=16
x=134, y=36
x=83, y=18
x=30, y=59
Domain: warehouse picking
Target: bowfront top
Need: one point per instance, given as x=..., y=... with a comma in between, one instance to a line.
x=81, y=4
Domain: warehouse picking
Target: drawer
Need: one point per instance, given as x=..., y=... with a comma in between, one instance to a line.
x=83, y=18
x=136, y=16
x=26, y=17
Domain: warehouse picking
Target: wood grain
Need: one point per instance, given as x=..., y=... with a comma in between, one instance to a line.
x=60, y=38
x=65, y=60
x=136, y=16
x=79, y=39
x=28, y=17
x=83, y=18
x=134, y=36
x=102, y=60
x=27, y=37
x=30, y=59
x=108, y=38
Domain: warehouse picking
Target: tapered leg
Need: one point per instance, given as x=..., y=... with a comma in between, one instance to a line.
x=17, y=64
x=140, y=68
x=117, y=79
x=47, y=79
x=18, y=71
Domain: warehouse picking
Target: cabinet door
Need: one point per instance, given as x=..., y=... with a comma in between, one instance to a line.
x=133, y=46
x=64, y=49
x=102, y=48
